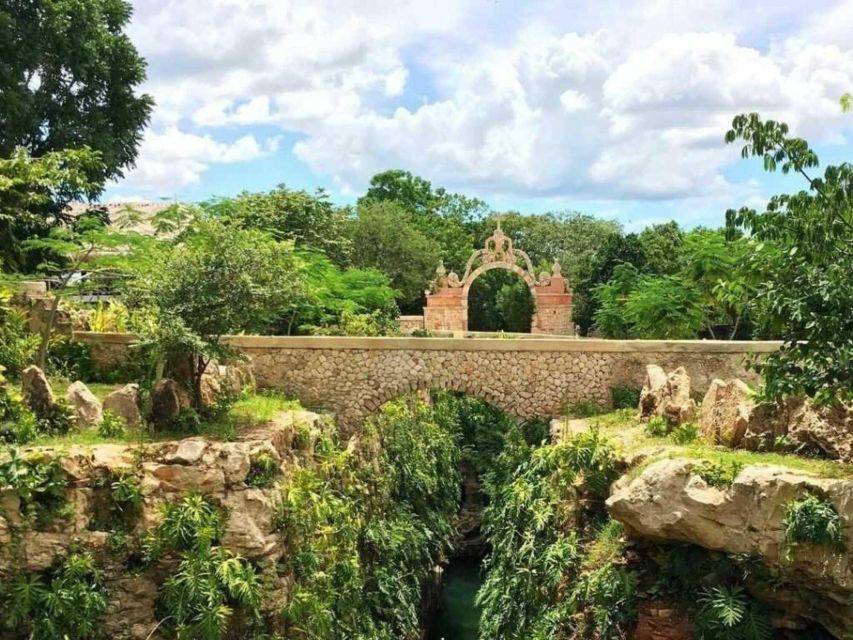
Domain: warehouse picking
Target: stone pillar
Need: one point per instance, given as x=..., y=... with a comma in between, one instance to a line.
x=446, y=310
x=553, y=307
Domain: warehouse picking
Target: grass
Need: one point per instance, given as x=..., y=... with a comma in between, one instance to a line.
x=631, y=438
x=100, y=389
x=254, y=409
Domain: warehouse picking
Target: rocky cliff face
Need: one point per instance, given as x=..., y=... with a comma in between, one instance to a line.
x=165, y=472
x=670, y=502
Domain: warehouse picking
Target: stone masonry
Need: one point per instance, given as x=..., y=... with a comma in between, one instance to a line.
x=352, y=377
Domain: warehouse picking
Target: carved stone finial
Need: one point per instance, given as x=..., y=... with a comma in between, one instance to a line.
x=440, y=271
x=453, y=279
x=556, y=269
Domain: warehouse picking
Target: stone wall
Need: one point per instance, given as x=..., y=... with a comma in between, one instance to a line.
x=352, y=377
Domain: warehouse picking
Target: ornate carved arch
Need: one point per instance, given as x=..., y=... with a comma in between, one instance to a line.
x=447, y=297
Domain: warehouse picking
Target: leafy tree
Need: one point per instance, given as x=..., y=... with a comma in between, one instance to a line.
x=667, y=307
x=440, y=216
x=802, y=245
x=310, y=220
x=661, y=246
x=69, y=81
x=213, y=281
x=384, y=237
x=33, y=195
x=499, y=300
x=611, y=298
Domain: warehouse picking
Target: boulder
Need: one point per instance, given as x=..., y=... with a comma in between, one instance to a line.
x=667, y=396
x=124, y=403
x=210, y=389
x=725, y=412
x=167, y=401
x=807, y=427
x=86, y=406
x=668, y=502
x=37, y=392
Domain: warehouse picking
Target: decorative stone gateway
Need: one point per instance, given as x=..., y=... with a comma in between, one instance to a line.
x=447, y=297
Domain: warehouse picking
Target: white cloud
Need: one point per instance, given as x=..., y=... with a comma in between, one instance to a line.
x=550, y=99
x=172, y=159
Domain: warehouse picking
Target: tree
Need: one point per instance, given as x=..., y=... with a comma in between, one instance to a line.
x=802, y=245
x=440, y=216
x=69, y=79
x=661, y=245
x=384, y=237
x=310, y=220
x=610, y=316
x=33, y=194
x=665, y=307
x=216, y=280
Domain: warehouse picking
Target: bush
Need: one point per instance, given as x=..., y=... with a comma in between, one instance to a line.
x=729, y=613
x=59, y=420
x=112, y=426
x=40, y=484
x=582, y=409
x=684, y=433
x=718, y=474
x=625, y=397
x=70, y=359
x=811, y=519
x=18, y=346
x=188, y=421
x=657, y=427
x=18, y=425
x=66, y=601
x=263, y=470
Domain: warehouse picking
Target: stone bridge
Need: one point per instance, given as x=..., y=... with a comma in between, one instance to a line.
x=530, y=377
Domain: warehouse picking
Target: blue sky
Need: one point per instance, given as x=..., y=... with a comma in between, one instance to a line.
x=611, y=108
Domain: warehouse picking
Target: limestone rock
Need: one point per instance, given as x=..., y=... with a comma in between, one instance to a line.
x=669, y=503
x=189, y=451
x=37, y=392
x=667, y=396
x=85, y=404
x=725, y=412
x=167, y=400
x=124, y=403
x=210, y=389
x=829, y=429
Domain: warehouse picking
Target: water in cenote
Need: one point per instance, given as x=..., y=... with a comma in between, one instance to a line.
x=457, y=618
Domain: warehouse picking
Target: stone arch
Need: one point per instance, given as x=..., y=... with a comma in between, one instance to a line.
x=447, y=297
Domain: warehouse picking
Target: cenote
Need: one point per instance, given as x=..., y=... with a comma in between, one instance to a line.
x=457, y=617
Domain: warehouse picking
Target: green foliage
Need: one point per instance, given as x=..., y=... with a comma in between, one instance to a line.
x=729, y=613
x=112, y=426
x=17, y=345
x=684, y=433
x=246, y=276
x=66, y=601
x=123, y=504
x=385, y=237
x=377, y=323
x=213, y=589
x=40, y=484
x=625, y=397
x=531, y=523
x=500, y=300
x=661, y=246
x=34, y=192
x=367, y=524
x=263, y=470
x=812, y=519
x=657, y=427
x=311, y=221
x=70, y=359
x=665, y=307
x=801, y=252
x=582, y=409
x=718, y=474
x=18, y=425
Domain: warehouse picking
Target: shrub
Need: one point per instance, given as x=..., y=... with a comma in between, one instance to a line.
x=59, y=420
x=657, y=427
x=66, y=601
x=70, y=358
x=625, y=397
x=684, y=433
x=729, y=613
x=40, y=484
x=18, y=425
x=812, y=519
x=718, y=474
x=263, y=470
x=582, y=409
x=112, y=426
x=18, y=346
x=188, y=421
x=200, y=599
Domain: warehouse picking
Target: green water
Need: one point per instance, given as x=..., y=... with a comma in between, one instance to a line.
x=457, y=617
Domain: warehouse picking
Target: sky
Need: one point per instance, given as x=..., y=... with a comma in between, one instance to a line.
x=617, y=109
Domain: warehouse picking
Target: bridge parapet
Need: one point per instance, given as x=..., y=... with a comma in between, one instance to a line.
x=352, y=377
